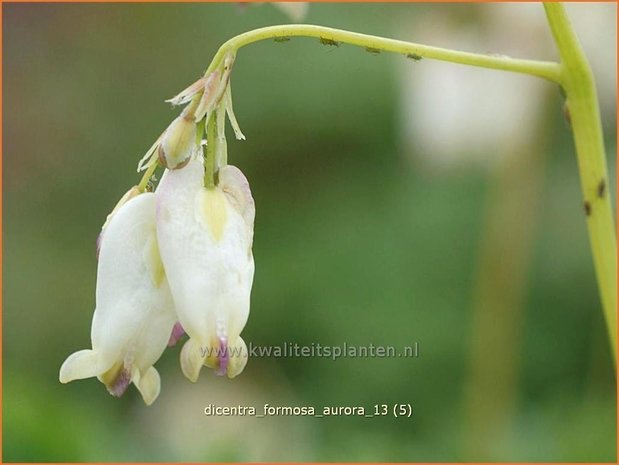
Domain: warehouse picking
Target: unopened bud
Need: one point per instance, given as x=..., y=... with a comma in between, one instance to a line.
x=178, y=143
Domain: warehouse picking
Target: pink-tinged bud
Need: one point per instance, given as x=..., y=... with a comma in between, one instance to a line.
x=178, y=143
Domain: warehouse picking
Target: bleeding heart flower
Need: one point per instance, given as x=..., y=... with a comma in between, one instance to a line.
x=205, y=237
x=134, y=312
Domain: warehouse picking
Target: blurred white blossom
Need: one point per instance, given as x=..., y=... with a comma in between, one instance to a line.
x=296, y=11
x=454, y=114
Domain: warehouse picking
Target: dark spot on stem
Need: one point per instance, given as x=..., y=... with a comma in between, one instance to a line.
x=281, y=39
x=372, y=50
x=587, y=206
x=566, y=113
x=601, y=188
x=414, y=56
x=330, y=42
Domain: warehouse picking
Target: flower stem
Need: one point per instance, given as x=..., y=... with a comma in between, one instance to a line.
x=577, y=81
x=327, y=35
x=209, y=159
x=147, y=175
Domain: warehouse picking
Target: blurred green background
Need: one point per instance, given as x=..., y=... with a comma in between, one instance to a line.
x=357, y=240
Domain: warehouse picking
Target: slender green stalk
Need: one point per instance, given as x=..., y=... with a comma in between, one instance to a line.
x=209, y=159
x=146, y=176
x=327, y=35
x=578, y=83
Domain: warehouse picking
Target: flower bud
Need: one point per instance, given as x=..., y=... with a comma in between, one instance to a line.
x=178, y=143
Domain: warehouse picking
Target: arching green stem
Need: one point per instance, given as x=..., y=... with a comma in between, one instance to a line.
x=143, y=184
x=547, y=70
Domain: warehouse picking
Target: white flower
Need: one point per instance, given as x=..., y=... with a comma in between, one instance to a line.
x=205, y=238
x=134, y=312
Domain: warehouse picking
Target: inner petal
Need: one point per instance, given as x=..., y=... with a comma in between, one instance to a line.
x=223, y=356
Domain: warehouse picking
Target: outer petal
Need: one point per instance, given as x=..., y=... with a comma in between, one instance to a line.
x=148, y=383
x=82, y=364
x=236, y=187
x=205, y=238
x=134, y=314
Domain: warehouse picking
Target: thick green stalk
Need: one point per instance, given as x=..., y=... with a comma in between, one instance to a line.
x=577, y=81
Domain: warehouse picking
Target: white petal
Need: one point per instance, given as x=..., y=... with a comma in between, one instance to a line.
x=82, y=364
x=148, y=383
x=192, y=360
x=235, y=185
x=238, y=358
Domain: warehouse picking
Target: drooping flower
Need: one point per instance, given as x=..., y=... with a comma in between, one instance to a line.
x=205, y=237
x=134, y=312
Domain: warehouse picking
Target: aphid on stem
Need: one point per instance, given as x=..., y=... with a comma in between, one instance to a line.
x=330, y=42
x=414, y=56
x=601, y=188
